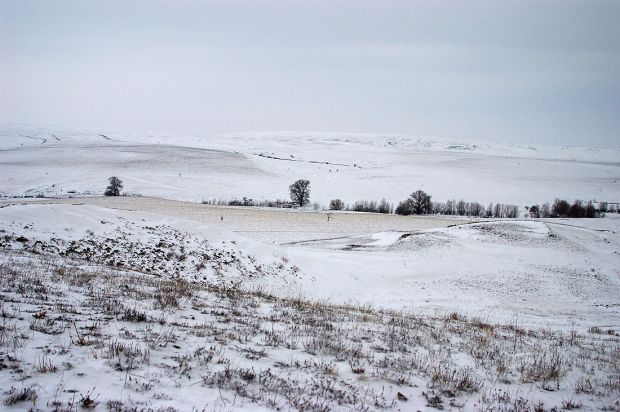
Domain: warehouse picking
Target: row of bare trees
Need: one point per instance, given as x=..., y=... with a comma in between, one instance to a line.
x=418, y=203
x=372, y=206
x=475, y=209
x=578, y=209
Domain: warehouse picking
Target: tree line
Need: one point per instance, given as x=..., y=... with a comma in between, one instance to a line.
x=578, y=209
x=418, y=203
x=371, y=206
x=246, y=201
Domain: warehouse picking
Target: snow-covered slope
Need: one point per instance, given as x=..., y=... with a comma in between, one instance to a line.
x=554, y=273
x=130, y=310
x=142, y=303
x=153, y=244
x=262, y=165
x=559, y=273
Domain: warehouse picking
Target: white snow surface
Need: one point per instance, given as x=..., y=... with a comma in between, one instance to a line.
x=485, y=311
x=57, y=162
x=462, y=288
x=559, y=273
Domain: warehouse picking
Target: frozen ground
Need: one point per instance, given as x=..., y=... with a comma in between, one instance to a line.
x=262, y=165
x=267, y=224
x=148, y=303
x=131, y=310
x=559, y=273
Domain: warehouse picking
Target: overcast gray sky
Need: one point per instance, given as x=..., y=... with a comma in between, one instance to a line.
x=524, y=72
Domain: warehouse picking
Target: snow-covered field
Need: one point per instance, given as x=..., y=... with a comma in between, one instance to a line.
x=150, y=303
x=134, y=309
x=560, y=273
x=262, y=165
x=267, y=224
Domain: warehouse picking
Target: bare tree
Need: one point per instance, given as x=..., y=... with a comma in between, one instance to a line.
x=450, y=208
x=336, y=204
x=475, y=209
x=404, y=208
x=385, y=207
x=461, y=208
x=115, y=187
x=300, y=192
x=421, y=202
x=497, y=210
x=545, y=211
x=577, y=209
x=560, y=208
x=590, y=210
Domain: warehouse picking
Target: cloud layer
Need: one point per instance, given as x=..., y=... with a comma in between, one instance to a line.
x=531, y=72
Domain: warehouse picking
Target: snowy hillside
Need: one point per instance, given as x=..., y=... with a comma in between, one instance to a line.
x=554, y=273
x=152, y=303
x=132, y=310
x=261, y=166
